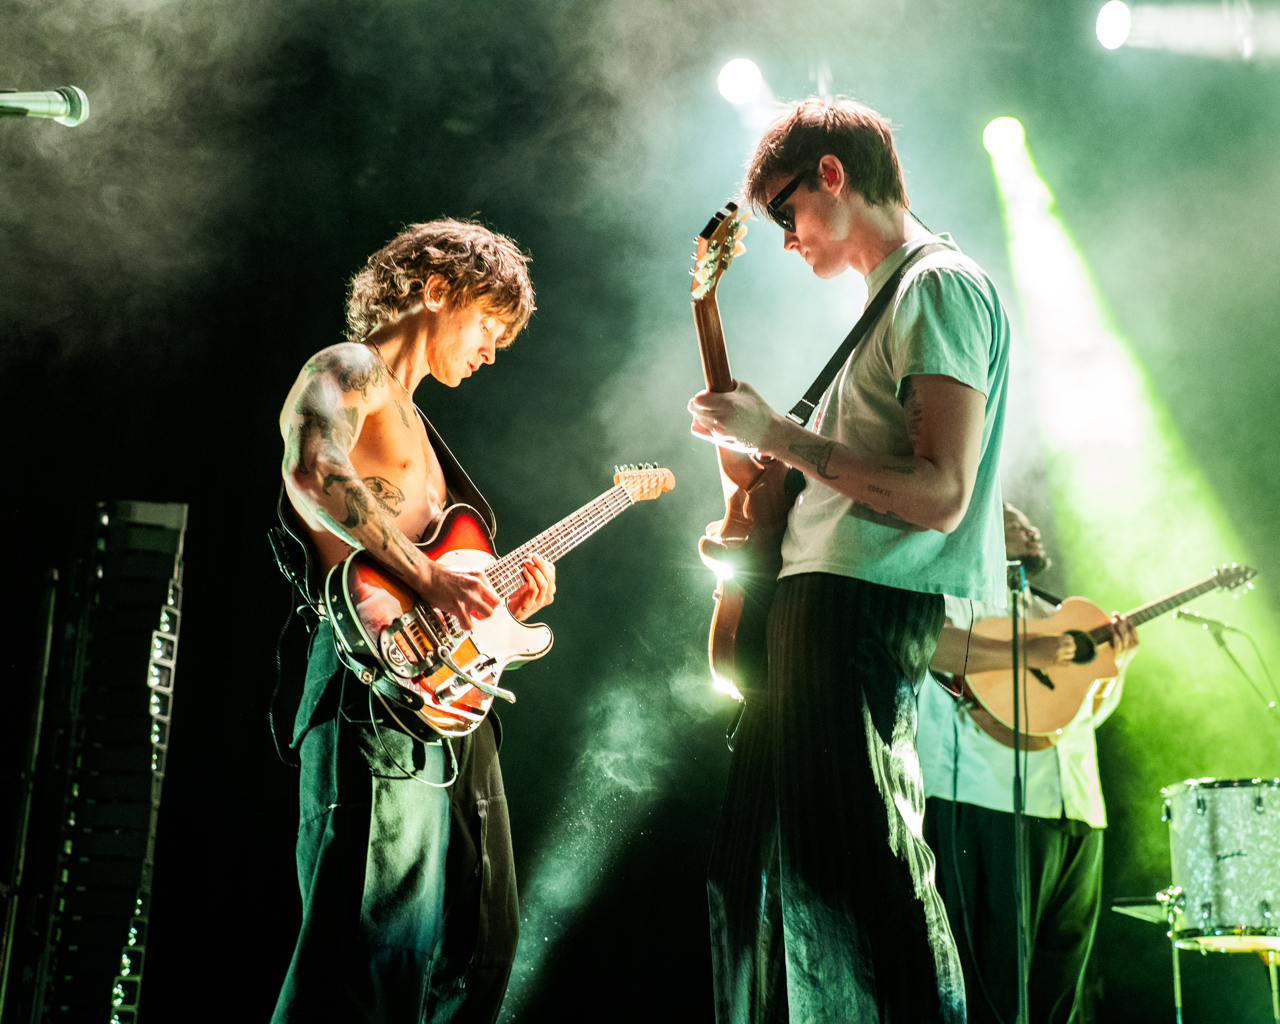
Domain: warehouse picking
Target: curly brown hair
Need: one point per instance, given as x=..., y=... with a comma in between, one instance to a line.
x=480, y=266
x=860, y=138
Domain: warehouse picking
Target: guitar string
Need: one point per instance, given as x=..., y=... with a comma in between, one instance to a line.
x=507, y=573
x=1151, y=611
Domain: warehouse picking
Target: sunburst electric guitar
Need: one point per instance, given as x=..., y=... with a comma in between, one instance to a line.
x=744, y=548
x=424, y=663
x=1055, y=694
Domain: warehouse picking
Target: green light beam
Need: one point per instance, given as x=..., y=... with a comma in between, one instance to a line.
x=1135, y=516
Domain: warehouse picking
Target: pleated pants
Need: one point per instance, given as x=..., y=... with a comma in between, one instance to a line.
x=822, y=901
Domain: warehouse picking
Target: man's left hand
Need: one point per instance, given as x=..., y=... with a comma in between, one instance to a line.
x=740, y=415
x=539, y=588
x=1124, y=640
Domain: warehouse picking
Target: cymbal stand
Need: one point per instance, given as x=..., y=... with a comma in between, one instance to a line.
x=1177, y=973
x=1273, y=958
x=1173, y=900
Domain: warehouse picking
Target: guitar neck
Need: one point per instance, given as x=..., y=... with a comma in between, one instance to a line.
x=507, y=573
x=1147, y=612
x=715, y=359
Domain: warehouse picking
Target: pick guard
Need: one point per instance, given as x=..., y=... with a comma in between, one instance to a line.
x=500, y=636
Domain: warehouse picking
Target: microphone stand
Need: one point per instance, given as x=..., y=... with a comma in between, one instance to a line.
x=1218, y=631
x=1017, y=586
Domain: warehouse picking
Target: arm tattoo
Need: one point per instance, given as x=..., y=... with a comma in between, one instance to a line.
x=879, y=490
x=860, y=510
x=385, y=493
x=357, y=507
x=337, y=529
x=351, y=375
x=404, y=545
x=900, y=470
x=816, y=454
x=911, y=406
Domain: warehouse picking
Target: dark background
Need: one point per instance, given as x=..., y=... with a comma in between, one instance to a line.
x=169, y=265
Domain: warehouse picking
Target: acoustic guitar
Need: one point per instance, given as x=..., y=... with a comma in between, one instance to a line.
x=422, y=662
x=1054, y=695
x=744, y=548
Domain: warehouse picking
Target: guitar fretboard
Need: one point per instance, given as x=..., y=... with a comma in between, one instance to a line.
x=507, y=573
x=1147, y=612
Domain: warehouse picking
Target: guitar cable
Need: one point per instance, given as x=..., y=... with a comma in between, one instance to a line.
x=443, y=741
x=406, y=773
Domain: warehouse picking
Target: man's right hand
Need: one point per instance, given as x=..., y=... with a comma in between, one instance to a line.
x=462, y=593
x=1049, y=651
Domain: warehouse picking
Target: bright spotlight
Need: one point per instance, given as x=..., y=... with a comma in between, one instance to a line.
x=1003, y=135
x=1113, y=24
x=740, y=81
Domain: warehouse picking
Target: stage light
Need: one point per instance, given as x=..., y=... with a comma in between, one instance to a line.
x=1113, y=24
x=1003, y=135
x=740, y=81
x=1233, y=30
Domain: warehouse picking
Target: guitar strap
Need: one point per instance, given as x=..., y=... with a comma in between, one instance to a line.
x=804, y=408
x=1044, y=595
x=458, y=485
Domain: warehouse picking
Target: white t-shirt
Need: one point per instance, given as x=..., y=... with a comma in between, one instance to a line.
x=945, y=318
x=1062, y=780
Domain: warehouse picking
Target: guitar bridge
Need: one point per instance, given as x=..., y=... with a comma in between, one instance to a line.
x=406, y=648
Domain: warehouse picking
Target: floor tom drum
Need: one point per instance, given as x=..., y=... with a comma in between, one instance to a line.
x=1224, y=839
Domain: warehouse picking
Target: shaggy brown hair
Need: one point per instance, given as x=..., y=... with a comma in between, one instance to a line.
x=855, y=134
x=480, y=267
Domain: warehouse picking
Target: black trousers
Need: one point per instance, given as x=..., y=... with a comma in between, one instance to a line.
x=409, y=907
x=974, y=848
x=820, y=886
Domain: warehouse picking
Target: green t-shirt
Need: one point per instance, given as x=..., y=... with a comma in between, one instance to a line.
x=947, y=319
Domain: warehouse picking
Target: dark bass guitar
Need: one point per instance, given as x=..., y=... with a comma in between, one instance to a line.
x=1054, y=695
x=744, y=548
x=424, y=663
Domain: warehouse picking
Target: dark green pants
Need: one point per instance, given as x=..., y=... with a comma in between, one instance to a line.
x=409, y=910
x=974, y=850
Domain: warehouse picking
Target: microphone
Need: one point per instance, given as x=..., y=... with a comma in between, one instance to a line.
x=68, y=105
x=1215, y=626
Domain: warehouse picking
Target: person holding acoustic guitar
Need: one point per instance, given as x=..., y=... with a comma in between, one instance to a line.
x=966, y=755
x=823, y=906
x=409, y=908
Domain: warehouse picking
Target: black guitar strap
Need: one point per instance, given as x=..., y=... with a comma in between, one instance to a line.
x=804, y=408
x=458, y=485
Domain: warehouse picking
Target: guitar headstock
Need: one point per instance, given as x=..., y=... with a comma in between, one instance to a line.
x=719, y=243
x=645, y=481
x=1228, y=577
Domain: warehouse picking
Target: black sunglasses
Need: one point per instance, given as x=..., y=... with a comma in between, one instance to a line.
x=773, y=208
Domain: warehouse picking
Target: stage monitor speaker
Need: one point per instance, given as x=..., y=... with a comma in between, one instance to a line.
x=78, y=950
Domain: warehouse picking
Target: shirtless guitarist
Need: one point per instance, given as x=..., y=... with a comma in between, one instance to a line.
x=377, y=814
